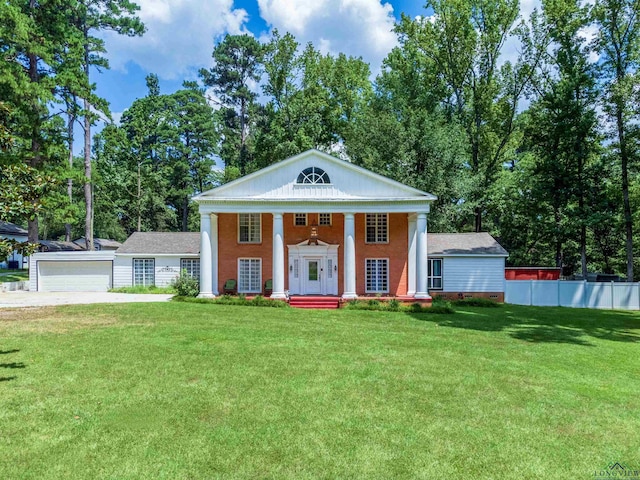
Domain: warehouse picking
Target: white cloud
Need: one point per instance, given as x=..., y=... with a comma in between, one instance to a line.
x=354, y=27
x=180, y=35
x=116, y=117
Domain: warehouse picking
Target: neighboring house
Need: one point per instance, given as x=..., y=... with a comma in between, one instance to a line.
x=99, y=244
x=58, y=246
x=156, y=258
x=309, y=225
x=12, y=231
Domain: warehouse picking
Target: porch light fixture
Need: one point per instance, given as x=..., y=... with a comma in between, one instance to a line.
x=313, y=237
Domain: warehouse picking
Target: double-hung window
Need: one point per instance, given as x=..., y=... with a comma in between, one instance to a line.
x=324, y=219
x=249, y=228
x=249, y=275
x=300, y=219
x=192, y=266
x=377, y=275
x=435, y=274
x=376, y=225
x=144, y=271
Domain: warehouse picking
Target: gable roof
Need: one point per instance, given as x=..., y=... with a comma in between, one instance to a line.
x=103, y=243
x=444, y=244
x=58, y=246
x=347, y=182
x=168, y=243
x=12, y=229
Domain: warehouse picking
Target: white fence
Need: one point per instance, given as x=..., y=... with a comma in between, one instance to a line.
x=580, y=294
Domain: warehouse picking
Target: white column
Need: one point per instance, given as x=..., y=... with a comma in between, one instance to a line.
x=278, y=257
x=349, y=257
x=206, y=265
x=214, y=254
x=421, y=257
x=411, y=260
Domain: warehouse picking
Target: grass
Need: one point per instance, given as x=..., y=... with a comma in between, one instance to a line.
x=13, y=275
x=182, y=390
x=142, y=289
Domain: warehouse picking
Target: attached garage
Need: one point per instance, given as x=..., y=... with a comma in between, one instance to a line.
x=71, y=271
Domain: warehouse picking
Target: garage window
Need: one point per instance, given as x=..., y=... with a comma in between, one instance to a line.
x=144, y=271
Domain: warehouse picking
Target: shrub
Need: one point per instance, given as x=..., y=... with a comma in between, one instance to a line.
x=394, y=305
x=477, y=302
x=143, y=289
x=185, y=285
x=258, y=301
x=437, y=308
x=415, y=308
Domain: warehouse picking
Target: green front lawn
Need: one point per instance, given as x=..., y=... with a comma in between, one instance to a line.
x=176, y=390
x=13, y=275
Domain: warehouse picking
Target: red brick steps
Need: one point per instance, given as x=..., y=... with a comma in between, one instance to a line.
x=300, y=301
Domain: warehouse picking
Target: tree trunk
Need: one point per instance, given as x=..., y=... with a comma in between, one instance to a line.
x=88, y=194
x=139, y=199
x=583, y=250
x=88, y=197
x=242, y=137
x=34, y=161
x=478, y=219
x=556, y=216
x=70, y=125
x=185, y=214
x=626, y=204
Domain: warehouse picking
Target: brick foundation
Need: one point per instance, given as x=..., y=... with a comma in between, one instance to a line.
x=495, y=296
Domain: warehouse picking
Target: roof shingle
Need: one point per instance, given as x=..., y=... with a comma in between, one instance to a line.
x=168, y=243
x=463, y=244
x=12, y=229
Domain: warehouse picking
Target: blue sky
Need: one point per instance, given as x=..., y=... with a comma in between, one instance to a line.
x=181, y=35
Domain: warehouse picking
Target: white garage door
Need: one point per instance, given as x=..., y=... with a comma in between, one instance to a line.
x=79, y=276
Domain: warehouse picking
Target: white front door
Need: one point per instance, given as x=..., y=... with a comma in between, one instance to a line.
x=313, y=276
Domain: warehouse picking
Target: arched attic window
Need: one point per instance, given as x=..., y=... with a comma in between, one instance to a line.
x=313, y=175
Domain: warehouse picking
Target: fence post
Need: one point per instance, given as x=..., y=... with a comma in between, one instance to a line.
x=584, y=294
x=612, y=302
x=558, y=292
x=530, y=292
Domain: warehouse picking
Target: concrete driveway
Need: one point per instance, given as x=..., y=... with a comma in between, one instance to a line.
x=43, y=299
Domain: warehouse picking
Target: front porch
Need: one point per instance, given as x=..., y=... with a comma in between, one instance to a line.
x=335, y=259
x=336, y=302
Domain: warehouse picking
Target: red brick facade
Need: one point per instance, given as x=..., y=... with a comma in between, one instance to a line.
x=396, y=250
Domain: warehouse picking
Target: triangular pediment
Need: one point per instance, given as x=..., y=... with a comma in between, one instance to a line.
x=342, y=181
x=316, y=242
